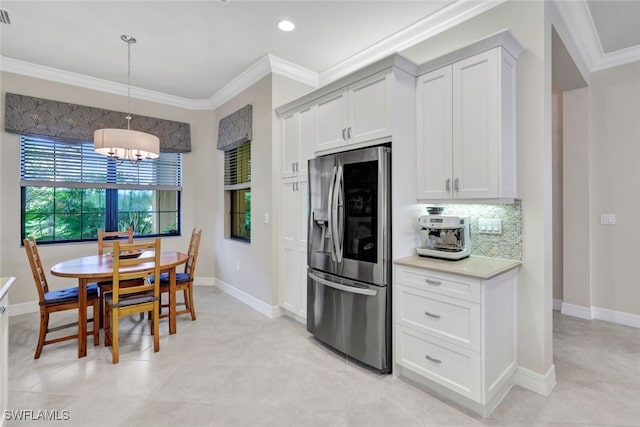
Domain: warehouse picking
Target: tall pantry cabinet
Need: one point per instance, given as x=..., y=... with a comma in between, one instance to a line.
x=297, y=145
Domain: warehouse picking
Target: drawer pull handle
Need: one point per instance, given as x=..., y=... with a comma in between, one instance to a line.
x=435, y=316
x=433, y=282
x=431, y=359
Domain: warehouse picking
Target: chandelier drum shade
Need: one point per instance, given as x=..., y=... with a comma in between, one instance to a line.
x=126, y=144
x=121, y=144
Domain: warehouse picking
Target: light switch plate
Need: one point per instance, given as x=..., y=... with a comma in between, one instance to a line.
x=489, y=225
x=608, y=219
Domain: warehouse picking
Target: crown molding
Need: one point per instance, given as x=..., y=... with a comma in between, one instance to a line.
x=445, y=18
x=29, y=69
x=293, y=71
x=259, y=69
x=619, y=57
x=577, y=18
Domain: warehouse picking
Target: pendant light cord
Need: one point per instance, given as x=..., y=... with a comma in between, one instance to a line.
x=129, y=85
x=129, y=40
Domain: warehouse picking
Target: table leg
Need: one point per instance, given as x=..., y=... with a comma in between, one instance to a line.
x=172, y=301
x=82, y=317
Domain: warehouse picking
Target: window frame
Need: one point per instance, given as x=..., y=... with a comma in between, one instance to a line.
x=237, y=181
x=110, y=186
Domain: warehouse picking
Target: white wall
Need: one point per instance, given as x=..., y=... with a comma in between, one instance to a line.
x=528, y=22
x=248, y=267
x=196, y=177
x=576, y=280
x=615, y=177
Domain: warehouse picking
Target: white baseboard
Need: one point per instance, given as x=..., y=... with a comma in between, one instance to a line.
x=23, y=308
x=271, y=311
x=204, y=281
x=557, y=304
x=541, y=384
x=576, y=311
x=619, y=317
x=589, y=313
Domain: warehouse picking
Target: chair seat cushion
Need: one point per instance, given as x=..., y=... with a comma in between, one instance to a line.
x=131, y=299
x=180, y=278
x=68, y=295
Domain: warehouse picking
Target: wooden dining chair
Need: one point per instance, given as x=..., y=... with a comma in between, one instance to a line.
x=184, y=281
x=106, y=240
x=58, y=300
x=131, y=299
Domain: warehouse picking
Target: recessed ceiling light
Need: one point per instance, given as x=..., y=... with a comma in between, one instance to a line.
x=285, y=25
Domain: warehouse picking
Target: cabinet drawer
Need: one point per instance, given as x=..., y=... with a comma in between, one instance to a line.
x=452, y=367
x=443, y=284
x=453, y=320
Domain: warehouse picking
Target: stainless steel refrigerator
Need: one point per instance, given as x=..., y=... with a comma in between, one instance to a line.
x=349, y=254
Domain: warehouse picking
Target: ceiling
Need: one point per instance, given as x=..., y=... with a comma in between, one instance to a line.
x=193, y=50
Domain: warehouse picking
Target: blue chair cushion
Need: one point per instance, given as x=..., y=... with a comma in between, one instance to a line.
x=180, y=278
x=68, y=295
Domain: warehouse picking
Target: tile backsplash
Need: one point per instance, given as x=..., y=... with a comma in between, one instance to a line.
x=506, y=245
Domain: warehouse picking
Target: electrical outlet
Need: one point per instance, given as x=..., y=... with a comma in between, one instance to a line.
x=489, y=226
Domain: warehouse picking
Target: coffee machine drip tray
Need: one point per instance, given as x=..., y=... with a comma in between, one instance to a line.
x=440, y=253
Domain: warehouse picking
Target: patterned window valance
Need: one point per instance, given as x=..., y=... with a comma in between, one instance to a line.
x=31, y=116
x=235, y=129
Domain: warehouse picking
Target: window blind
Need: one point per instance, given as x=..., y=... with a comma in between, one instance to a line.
x=237, y=167
x=50, y=163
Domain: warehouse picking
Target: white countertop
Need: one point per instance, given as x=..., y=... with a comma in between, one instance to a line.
x=478, y=267
x=5, y=284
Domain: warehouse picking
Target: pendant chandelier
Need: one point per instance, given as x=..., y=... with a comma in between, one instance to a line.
x=126, y=144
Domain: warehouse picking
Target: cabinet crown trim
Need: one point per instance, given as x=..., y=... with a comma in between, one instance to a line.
x=503, y=38
x=393, y=61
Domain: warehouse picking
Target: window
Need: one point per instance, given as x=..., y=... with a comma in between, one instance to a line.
x=237, y=183
x=69, y=191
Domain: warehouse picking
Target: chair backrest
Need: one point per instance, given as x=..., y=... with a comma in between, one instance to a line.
x=107, y=238
x=194, y=245
x=36, y=267
x=141, y=267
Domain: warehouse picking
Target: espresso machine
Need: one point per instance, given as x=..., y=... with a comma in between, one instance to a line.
x=444, y=236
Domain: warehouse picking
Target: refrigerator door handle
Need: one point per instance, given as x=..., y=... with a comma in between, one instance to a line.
x=341, y=287
x=332, y=245
x=339, y=218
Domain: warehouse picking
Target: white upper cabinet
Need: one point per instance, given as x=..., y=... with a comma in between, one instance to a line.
x=331, y=131
x=476, y=122
x=434, y=149
x=297, y=142
x=370, y=109
x=358, y=113
x=466, y=129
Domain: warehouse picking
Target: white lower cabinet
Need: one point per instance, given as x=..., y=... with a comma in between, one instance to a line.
x=452, y=367
x=5, y=284
x=293, y=248
x=456, y=334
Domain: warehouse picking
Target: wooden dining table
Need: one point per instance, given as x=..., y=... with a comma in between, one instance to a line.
x=97, y=268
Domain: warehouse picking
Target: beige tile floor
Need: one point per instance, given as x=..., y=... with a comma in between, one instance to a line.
x=235, y=367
